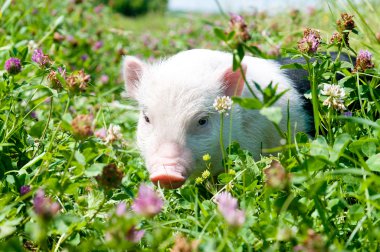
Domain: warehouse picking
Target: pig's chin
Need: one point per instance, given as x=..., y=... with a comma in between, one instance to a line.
x=169, y=176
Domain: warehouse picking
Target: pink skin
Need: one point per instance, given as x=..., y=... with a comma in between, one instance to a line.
x=169, y=164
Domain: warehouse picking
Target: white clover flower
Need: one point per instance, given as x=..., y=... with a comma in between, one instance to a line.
x=333, y=90
x=222, y=104
x=335, y=97
x=113, y=134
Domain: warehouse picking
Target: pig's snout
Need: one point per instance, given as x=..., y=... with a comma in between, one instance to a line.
x=169, y=167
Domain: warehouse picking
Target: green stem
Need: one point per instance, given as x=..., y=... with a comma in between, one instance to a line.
x=246, y=83
x=335, y=61
x=221, y=9
x=47, y=124
x=69, y=162
x=329, y=123
x=314, y=95
x=359, y=95
x=230, y=138
x=279, y=130
x=221, y=136
x=50, y=146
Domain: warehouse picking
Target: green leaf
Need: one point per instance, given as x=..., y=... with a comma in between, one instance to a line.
x=75, y=240
x=10, y=179
x=255, y=51
x=248, y=103
x=220, y=34
x=319, y=148
x=275, y=98
x=9, y=227
x=339, y=146
x=368, y=148
x=240, y=52
x=31, y=163
x=346, y=64
x=293, y=66
x=374, y=162
x=80, y=158
x=66, y=121
x=273, y=114
x=360, y=121
x=37, y=129
x=224, y=178
x=58, y=21
x=4, y=7
x=94, y=169
x=366, y=145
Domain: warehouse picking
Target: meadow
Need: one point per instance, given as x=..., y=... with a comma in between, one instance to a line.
x=72, y=178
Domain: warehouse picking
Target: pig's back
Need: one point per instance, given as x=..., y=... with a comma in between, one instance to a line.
x=199, y=61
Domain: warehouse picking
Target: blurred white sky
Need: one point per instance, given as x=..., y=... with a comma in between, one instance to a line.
x=240, y=5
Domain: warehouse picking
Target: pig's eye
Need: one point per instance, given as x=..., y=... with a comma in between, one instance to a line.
x=203, y=121
x=146, y=118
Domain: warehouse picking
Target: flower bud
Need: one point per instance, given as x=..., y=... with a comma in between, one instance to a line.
x=363, y=61
x=345, y=23
x=13, y=66
x=276, y=176
x=111, y=177
x=82, y=126
x=310, y=42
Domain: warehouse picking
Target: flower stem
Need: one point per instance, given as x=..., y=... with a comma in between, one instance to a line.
x=69, y=162
x=221, y=136
x=314, y=95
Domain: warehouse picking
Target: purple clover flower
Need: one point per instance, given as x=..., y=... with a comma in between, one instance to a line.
x=363, y=61
x=235, y=18
x=104, y=79
x=121, y=209
x=238, y=25
x=33, y=115
x=44, y=206
x=310, y=41
x=147, y=203
x=84, y=57
x=101, y=133
x=134, y=235
x=228, y=207
x=24, y=189
x=13, y=66
x=98, y=8
x=62, y=72
x=347, y=114
x=98, y=45
x=40, y=58
x=365, y=55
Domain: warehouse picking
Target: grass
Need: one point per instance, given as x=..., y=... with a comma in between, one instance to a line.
x=318, y=193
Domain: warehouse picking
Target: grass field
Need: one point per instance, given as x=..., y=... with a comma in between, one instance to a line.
x=71, y=173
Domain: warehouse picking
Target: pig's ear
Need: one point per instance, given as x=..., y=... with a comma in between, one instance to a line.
x=233, y=81
x=132, y=71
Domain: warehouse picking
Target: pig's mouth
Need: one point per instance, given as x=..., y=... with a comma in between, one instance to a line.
x=168, y=176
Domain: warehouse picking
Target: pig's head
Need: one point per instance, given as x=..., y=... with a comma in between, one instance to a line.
x=177, y=123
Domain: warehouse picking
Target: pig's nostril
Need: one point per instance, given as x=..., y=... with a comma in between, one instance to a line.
x=169, y=181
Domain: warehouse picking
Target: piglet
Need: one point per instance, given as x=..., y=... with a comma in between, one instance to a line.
x=178, y=123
